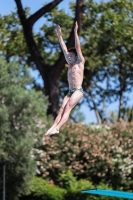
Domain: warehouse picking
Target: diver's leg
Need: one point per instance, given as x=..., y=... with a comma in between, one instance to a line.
x=58, y=118
x=74, y=99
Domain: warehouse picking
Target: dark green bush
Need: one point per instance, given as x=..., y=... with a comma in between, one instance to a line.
x=74, y=188
x=41, y=189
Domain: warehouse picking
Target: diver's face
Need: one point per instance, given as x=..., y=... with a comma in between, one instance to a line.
x=72, y=58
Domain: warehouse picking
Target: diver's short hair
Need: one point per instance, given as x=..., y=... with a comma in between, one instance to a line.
x=73, y=50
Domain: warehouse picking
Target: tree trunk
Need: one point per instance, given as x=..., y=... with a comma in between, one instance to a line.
x=99, y=120
x=120, y=91
x=120, y=105
x=52, y=91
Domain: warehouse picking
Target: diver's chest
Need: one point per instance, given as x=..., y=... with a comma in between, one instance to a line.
x=73, y=69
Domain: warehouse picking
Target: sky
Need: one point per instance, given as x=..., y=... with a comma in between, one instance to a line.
x=9, y=5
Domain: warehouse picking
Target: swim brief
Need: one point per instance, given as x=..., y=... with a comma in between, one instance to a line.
x=71, y=91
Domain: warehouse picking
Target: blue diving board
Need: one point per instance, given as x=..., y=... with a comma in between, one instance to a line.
x=112, y=193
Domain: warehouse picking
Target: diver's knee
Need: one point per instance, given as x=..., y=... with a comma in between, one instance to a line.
x=61, y=110
x=68, y=107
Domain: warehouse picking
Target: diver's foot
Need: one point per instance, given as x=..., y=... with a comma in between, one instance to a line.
x=47, y=133
x=44, y=138
x=53, y=132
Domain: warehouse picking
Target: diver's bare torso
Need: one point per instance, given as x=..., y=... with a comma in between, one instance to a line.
x=75, y=75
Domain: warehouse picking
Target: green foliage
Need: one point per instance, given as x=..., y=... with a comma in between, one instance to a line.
x=22, y=123
x=47, y=37
x=70, y=182
x=41, y=189
x=75, y=186
x=98, y=154
x=127, y=114
x=107, y=39
x=13, y=45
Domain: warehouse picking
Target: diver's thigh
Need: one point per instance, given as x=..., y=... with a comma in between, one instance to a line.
x=75, y=98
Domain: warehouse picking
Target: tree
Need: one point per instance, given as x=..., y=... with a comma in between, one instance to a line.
x=108, y=52
x=22, y=122
x=106, y=39
x=50, y=74
x=12, y=43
